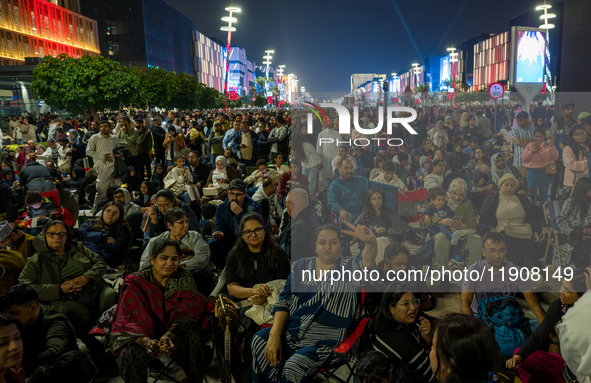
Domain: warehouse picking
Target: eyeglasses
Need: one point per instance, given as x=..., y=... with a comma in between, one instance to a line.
x=258, y=231
x=407, y=305
x=163, y=205
x=235, y=194
x=59, y=234
x=494, y=251
x=183, y=223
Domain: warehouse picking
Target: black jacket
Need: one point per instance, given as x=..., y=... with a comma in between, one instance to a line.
x=158, y=133
x=33, y=171
x=300, y=232
x=200, y=174
x=145, y=144
x=533, y=215
x=8, y=202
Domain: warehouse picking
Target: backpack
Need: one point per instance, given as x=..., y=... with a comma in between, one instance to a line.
x=506, y=319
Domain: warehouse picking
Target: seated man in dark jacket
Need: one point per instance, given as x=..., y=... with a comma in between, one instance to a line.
x=304, y=222
x=46, y=332
x=227, y=224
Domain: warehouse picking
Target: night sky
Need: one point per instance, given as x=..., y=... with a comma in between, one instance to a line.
x=324, y=42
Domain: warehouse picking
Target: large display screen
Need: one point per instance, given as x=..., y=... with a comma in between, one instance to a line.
x=444, y=72
x=531, y=46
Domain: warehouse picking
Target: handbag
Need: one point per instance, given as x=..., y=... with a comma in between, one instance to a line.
x=90, y=294
x=550, y=169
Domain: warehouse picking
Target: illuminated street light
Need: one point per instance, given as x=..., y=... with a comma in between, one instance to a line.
x=229, y=28
x=546, y=15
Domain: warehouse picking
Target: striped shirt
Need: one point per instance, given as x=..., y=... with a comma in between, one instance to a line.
x=404, y=344
x=98, y=146
x=524, y=134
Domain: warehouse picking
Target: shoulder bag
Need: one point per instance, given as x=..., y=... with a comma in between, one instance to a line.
x=551, y=169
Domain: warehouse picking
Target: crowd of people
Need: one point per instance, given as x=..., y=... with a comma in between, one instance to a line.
x=247, y=201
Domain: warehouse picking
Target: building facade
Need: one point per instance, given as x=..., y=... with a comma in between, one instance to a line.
x=144, y=33
x=491, y=61
x=209, y=61
x=36, y=28
x=361, y=78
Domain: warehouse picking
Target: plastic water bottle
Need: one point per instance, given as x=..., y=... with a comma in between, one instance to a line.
x=146, y=235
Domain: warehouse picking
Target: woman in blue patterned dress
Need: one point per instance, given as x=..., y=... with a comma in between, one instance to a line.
x=314, y=312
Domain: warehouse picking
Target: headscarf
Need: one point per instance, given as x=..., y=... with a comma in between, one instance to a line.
x=458, y=184
x=222, y=172
x=77, y=139
x=494, y=171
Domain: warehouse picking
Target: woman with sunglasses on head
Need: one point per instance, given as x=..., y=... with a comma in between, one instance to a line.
x=255, y=260
x=402, y=333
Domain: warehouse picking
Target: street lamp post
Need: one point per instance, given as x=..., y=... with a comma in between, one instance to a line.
x=395, y=78
x=267, y=62
x=229, y=28
x=547, y=26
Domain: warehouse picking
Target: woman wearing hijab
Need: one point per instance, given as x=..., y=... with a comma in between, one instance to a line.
x=158, y=176
x=219, y=178
x=438, y=135
x=498, y=168
x=464, y=222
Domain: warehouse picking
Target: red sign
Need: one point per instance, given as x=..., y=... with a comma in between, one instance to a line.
x=451, y=95
x=496, y=90
x=269, y=99
x=233, y=96
x=417, y=101
x=281, y=102
x=395, y=99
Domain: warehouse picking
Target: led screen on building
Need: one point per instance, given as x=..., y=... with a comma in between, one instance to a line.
x=444, y=72
x=529, y=66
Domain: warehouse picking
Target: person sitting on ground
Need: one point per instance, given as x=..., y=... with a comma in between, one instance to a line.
x=158, y=176
x=108, y=236
x=498, y=168
x=220, y=178
x=304, y=221
x=267, y=194
x=165, y=200
x=258, y=176
x=384, y=223
x=517, y=218
x=295, y=347
x=227, y=225
x=122, y=196
x=343, y=154
x=17, y=240
x=388, y=176
x=10, y=178
x=464, y=350
x=379, y=161
x=438, y=216
x=131, y=179
x=476, y=163
x=180, y=180
x=492, y=283
x=160, y=313
x=74, y=268
x=574, y=221
x=46, y=333
x=194, y=254
x=544, y=337
x=279, y=165
x=147, y=190
x=42, y=208
x=11, y=370
x=254, y=261
x=435, y=178
x=291, y=179
x=399, y=331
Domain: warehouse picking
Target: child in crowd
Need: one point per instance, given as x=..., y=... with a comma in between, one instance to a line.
x=132, y=179
x=183, y=179
x=17, y=135
x=388, y=176
x=281, y=167
x=374, y=367
x=438, y=216
x=9, y=177
x=39, y=207
x=6, y=139
x=425, y=168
